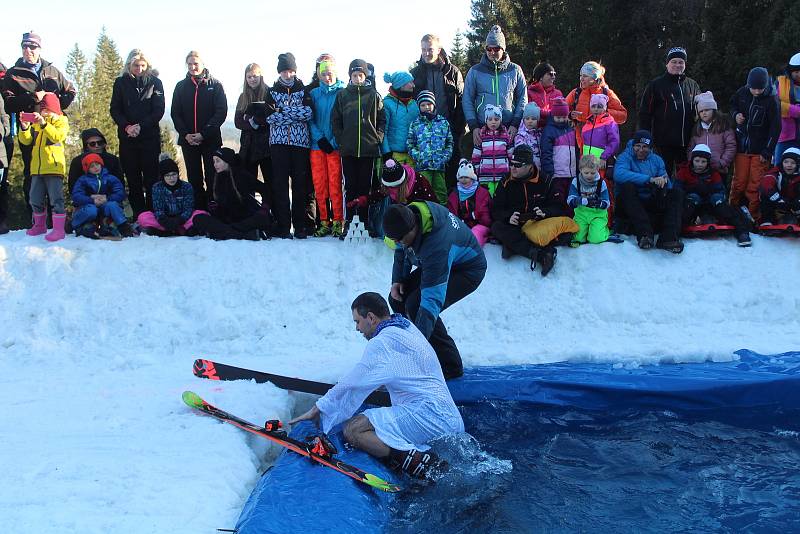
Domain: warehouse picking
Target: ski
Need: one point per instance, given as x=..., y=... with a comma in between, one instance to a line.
x=220, y=371
x=280, y=437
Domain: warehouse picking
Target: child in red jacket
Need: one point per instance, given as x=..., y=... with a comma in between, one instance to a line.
x=471, y=203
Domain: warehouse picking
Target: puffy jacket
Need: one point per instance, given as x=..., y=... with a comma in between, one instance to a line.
x=430, y=143
x=630, y=169
x=288, y=113
x=399, y=117
x=762, y=127
x=776, y=187
x=425, y=79
x=722, y=145
x=358, y=121
x=235, y=195
x=532, y=138
x=491, y=157
x=48, y=145
x=559, y=150
x=501, y=84
x=600, y=136
x=578, y=100
x=199, y=106
x=703, y=185
x=323, y=98
x=444, y=244
x=473, y=210
x=175, y=201
x=138, y=100
x=667, y=109
x=91, y=184
x=789, y=98
x=542, y=96
x=21, y=83
x=525, y=195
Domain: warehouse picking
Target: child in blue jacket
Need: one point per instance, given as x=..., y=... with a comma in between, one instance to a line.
x=96, y=195
x=430, y=144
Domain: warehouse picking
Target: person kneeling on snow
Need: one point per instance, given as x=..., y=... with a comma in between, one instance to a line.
x=96, y=195
x=705, y=195
x=644, y=194
x=588, y=196
x=528, y=213
x=173, y=203
x=400, y=358
x=780, y=191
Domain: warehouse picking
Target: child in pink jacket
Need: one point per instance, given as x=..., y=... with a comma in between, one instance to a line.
x=492, y=155
x=471, y=203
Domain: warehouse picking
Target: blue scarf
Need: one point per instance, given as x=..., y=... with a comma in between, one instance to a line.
x=465, y=192
x=396, y=319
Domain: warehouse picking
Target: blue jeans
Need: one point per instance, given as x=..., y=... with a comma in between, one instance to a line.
x=90, y=212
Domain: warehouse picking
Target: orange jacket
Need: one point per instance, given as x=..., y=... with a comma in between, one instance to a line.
x=615, y=107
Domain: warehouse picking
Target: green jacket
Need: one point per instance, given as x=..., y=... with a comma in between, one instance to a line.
x=358, y=121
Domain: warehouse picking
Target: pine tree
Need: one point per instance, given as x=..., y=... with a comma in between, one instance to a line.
x=77, y=71
x=106, y=66
x=458, y=55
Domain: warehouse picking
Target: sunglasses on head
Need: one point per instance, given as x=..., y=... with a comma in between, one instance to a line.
x=518, y=164
x=96, y=143
x=30, y=46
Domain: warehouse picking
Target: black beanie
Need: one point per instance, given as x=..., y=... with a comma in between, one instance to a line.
x=758, y=78
x=644, y=137
x=540, y=70
x=286, y=62
x=358, y=65
x=677, y=52
x=166, y=166
x=228, y=156
x=398, y=221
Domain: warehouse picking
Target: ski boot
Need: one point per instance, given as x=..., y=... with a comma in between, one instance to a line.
x=337, y=229
x=323, y=230
x=416, y=464
x=274, y=426
x=321, y=446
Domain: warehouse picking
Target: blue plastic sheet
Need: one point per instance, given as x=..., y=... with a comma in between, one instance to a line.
x=298, y=496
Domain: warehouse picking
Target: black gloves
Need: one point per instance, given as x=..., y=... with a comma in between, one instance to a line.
x=325, y=145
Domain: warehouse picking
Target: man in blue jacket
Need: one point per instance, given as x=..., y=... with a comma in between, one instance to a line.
x=450, y=265
x=645, y=196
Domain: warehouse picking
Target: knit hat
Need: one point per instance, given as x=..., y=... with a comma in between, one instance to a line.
x=559, y=107
x=532, y=110
x=426, y=96
x=465, y=168
x=522, y=154
x=496, y=37
x=31, y=37
x=358, y=65
x=286, y=61
x=326, y=65
x=705, y=101
x=398, y=79
x=758, y=78
x=593, y=69
x=228, y=156
x=51, y=103
x=398, y=221
x=791, y=153
x=599, y=98
x=393, y=174
x=166, y=165
x=643, y=136
x=677, y=52
x=540, y=70
x=701, y=151
x=492, y=111
x=794, y=63
x=88, y=159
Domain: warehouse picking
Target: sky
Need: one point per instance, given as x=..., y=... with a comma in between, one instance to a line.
x=232, y=33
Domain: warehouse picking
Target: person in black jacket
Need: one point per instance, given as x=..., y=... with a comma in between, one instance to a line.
x=529, y=213
x=236, y=213
x=137, y=105
x=667, y=110
x=199, y=108
x=251, y=118
x=94, y=142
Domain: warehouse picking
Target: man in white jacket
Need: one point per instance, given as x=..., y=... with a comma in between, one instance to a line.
x=400, y=358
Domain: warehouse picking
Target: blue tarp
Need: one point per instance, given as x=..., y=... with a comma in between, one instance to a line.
x=297, y=496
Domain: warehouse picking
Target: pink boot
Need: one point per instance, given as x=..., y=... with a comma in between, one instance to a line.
x=57, y=233
x=39, y=224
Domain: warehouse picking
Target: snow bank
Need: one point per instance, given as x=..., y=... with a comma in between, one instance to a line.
x=98, y=339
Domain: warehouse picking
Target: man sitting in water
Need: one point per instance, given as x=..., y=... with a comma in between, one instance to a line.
x=399, y=357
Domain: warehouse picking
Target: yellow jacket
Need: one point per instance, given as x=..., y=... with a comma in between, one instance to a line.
x=48, y=145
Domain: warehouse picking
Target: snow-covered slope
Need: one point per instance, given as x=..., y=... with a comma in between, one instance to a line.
x=97, y=340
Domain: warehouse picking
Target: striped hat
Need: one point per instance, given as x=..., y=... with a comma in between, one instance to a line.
x=426, y=96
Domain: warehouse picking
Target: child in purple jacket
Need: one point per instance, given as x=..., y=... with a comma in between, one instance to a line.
x=559, y=148
x=491, y=156
x=529, y=132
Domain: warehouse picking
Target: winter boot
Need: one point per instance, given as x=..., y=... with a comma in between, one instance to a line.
x=533, y=254
x=323, y=230
x=547, y=259
x=39, y=224
x=337, y=229
x=415, y=463
x=645, y=242
x=57, y=233
x=676, y=246
x=126, y=230
x=506, y=253
x=743, y=239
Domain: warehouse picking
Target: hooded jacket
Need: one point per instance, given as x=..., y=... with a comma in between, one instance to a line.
x=199, y=106
x=429, y=143
x=48, y=145
x=138, y=100
x=288, y=113
x=630, y=169
x=762, y=127
x=103, y=184
x=399, y=116
x=323, y=98
x=667, y=109
x=358, y=121
x=599, y=136
x=110, y=161
x=559, y=149
x=501, y=84
x=21, y=83
x=425, y=79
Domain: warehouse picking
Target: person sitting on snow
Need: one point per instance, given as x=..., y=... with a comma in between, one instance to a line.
x=400, y=358
x=780, y=191
x=705, y=195
x=96, y=195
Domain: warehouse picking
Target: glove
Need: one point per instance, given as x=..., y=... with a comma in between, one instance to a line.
x=538, y=214
x=584, y=201
x=360, y=202
x=593, y=203
x=325, y=145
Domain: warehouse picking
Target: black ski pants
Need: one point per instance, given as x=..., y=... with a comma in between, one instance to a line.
x=139, y=160
x=289, y=161
x=200, y=171
x=661, y=209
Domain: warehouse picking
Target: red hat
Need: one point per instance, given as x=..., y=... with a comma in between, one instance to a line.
x=51, y=103
x=88, y=159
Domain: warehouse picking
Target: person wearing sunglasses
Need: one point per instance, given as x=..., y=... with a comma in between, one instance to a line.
x=94, y=142
x=494, y=81
x=542, y=90
x=24, y=86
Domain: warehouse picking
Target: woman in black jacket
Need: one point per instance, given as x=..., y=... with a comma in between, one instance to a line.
x=137, y=106
x=251, y=119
